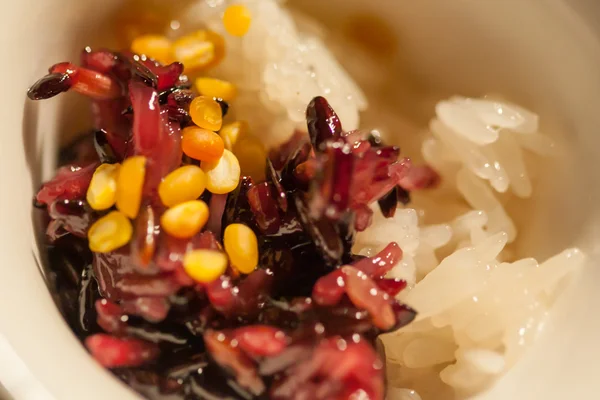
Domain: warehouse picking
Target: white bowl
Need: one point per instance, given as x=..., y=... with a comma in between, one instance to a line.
x=544, y=54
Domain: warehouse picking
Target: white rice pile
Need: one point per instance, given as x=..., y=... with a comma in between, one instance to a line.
x=278, y=70
x=477, y=312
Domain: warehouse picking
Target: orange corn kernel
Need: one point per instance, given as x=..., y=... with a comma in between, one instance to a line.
x=201, y=144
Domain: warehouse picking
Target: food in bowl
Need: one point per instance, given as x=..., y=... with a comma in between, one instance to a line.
x=220, y=234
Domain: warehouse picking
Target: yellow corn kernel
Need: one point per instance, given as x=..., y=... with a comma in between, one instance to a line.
x=242, y=247
x=205, y=266
x=129, y=185
x=212, y=87
x=110, y=232
x=154, y=46
x=237, y=20
x=252, y=157
x=184, y=184
x=185, y=219
x=199, y=50
x=206, y=113
x=233, y=132
x=222, y=176
x=102, y=192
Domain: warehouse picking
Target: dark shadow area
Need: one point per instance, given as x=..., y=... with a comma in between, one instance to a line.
x=4, y=395
x=33, y=155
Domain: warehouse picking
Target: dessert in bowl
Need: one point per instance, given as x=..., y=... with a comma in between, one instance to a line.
x=436, y=238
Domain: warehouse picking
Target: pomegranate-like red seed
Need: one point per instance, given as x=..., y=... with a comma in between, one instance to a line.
x=102, y=61
x=220, y=294
x=363, y=218
x=71, y=182
x=152, y=309
x=109, y=316
x=329, y=289
x=360, y=148
x=168, y=75
x=422, y=177
x=222, y=350
x=260, y=340
x=364, y=293
x=382, y=262
x=113, y=352
x=181, y=278
x=391, y=286
x=132, y=286
x=338, y=369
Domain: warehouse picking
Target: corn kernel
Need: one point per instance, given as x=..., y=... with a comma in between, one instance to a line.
x=212, y=87
x=233, y=132
x=222, y=176
x=237, y=20
x=184, y=184
x=242, y=247
x=206, y=113
x=199, y=50
x=102, y=192
x=110, y=232
x=185, y=219
x=129, y=185
x=205, y=266
x=201, y=144
x=252, y=157
x=154, y=46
